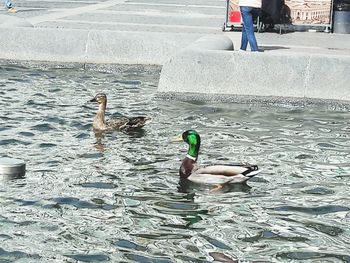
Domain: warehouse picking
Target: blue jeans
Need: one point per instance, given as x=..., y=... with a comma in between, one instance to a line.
x=8, y=4
x=247, y=13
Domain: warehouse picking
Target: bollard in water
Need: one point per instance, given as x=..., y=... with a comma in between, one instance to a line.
x=12, y=168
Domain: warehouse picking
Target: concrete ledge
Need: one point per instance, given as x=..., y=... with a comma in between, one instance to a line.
x=294, y=75
x=43, y=44
x=91, y=46
x=204, y=65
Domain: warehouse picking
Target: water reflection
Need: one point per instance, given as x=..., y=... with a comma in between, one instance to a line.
x=10, y=177
x=11, y=256
x=89, y=258
x=136, y=133
x=102, y=137
x=99, y=145
x=186, y=186
x=117, y=197
x=313, y=256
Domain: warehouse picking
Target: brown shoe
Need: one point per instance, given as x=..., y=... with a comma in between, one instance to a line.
x=12, y=10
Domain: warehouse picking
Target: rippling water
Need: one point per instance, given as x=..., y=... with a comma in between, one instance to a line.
x=116, y=197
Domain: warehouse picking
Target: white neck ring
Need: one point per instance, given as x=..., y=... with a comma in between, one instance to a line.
x=190, y=157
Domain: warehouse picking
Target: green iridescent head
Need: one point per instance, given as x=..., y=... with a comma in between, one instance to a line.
x=192, y=138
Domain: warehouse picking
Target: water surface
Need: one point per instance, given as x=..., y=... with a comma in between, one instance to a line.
x=116, y=197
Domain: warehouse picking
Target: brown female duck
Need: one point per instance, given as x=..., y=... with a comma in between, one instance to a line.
x=214, y=174
x=122, y=123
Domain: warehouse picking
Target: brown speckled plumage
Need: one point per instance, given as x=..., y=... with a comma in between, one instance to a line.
x=122, y=123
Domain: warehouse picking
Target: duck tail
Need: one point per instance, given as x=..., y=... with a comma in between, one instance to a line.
x=251, y=172
x=252, y=167
x=137, y=122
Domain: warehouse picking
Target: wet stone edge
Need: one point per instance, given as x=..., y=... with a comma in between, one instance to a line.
x=336, y=105
x=110, y=68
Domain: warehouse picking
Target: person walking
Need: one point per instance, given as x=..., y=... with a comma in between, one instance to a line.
x=249, y=9
x=9, y=6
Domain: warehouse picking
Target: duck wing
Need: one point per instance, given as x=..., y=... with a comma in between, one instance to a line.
x=127, y=123
x=117, y=124
x=220, y=174
x=226, y=170
x=246, y=165
x=136, y=122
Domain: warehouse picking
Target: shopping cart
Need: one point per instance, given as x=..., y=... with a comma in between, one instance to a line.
x=233, y=16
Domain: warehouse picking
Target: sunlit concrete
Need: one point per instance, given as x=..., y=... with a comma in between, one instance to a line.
x=185, y=38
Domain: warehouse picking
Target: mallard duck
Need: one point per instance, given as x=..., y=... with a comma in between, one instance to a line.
x=122, y=123
x=214, y=174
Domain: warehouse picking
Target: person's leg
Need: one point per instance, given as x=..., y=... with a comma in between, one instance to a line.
x=244, y=39
x=247, y=18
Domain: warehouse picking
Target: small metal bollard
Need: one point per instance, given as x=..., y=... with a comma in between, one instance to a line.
x=11, y=168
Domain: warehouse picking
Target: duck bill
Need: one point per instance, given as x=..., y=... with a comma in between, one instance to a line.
x=177, y=139
x=93, y=100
